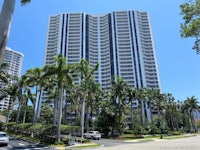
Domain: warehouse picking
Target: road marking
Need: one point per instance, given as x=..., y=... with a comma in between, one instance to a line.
x=10, y=146
x=21, y=144
x=41, y=148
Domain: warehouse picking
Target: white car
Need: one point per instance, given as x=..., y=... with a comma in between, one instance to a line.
x=92, y=135
x=3, y=138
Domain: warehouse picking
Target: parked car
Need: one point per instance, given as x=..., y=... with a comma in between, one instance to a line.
x=4, y=138
x=92, y=135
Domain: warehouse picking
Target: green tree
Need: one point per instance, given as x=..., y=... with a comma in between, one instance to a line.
x=46, y=116
x=34, y=80
x=118, y=99
x=3, y=74
x=29, y=114
x=11, y=91
x=106, y=118
x=160, y=101
x=140, y=95
x=86, y=80
x=63, y=73
x=51, y=88
x=191, y=104
x=72, y=97
x=132, y=96
x=22, y=88
x=191, y=25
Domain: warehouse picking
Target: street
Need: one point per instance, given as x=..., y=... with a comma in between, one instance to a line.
x=189, y=143
x=15, y=144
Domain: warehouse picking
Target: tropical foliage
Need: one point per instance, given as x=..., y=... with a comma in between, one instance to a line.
x=74, y=99
x=191, y=25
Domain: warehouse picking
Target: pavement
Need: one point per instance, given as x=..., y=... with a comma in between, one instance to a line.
x=187, y=143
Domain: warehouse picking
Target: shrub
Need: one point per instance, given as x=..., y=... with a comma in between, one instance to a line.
x=65, y=129
x=128, y=131
x=176, y=133
x=138, y=130
x=59, y=143
x=8, y=126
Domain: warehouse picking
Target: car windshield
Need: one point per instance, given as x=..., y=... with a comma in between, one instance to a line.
x=3, y=135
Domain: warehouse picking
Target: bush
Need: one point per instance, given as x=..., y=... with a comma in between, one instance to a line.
x=139, y=130
x=48, y=133
x=21, y=128
x=59, y=143
x=176, y=133
x=153, y=129
x=65, y=129
x=8, y=126
x=128, y=131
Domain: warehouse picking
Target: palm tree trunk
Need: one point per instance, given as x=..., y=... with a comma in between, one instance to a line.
x=87, y=117
x=60, y=113
x=83, y=116
x=35, y=108
x=24, y=116
x=142, y=113
x=38, y=106
x=193, y=122
x=18, y=113
x=33, y=114
x=9, y=107
x=55, y=112
x=132, y=121
x=5, y=23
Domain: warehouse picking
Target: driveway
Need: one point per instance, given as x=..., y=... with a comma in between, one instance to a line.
x=189, y=143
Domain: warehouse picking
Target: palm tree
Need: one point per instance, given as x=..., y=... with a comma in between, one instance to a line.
x=51, y=88
x=63, y=73
x=5, y=23
x=119, y=95
x=191, y=104
x=72, y=97
x=3, y=74
x=11, y=91
x=25, y=106
x=34, y=79
x=131, y=95
x=140, y=95
x=86, y=79
x=31, y=97
x=92, y=100
x=22, y=88
x=160, y=101
x=170, y=110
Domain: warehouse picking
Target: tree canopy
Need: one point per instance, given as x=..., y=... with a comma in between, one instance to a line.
x=191, y=25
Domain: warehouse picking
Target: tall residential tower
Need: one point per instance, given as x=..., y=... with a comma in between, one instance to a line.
x=121, y=42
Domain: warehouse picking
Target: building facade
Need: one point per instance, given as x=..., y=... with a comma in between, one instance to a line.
x=14, y=60
x=120, y=42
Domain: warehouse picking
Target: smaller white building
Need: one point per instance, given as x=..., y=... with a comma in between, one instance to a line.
x=14, y=60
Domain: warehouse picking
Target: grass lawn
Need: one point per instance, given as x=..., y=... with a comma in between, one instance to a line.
x=151, y=137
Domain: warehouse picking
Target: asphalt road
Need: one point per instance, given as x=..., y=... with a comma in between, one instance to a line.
x=19, y=144
x=189, y=143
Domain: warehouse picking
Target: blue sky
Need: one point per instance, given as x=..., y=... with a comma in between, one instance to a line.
x=178, y=63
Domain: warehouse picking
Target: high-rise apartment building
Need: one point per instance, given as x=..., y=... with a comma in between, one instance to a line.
x=14, y=60
x=120, y=42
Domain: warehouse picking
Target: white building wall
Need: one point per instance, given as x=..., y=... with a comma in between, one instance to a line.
x=120, y=42
x=14, y=60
